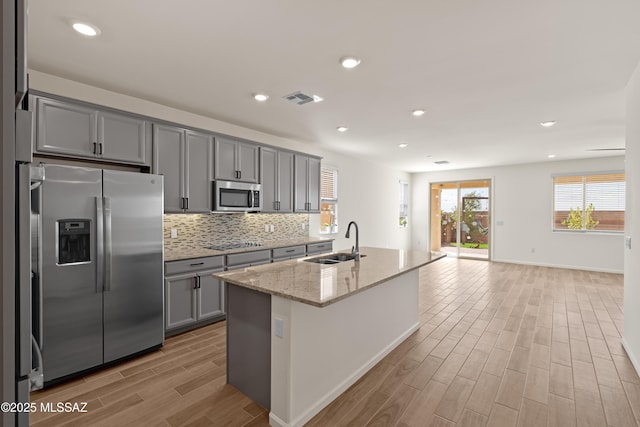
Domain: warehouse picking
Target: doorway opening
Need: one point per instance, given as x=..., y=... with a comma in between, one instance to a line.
x=460, y=218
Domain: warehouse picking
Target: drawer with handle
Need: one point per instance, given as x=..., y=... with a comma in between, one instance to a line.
x=318, y=248
x=194, y=264
x=288, y=252
x=251, y=258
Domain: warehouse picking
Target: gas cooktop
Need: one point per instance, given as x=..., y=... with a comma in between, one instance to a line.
x=228, y=246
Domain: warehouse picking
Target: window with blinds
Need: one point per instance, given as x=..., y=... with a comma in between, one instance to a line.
x=404, y=203
x=589, y=202
x=328, y=199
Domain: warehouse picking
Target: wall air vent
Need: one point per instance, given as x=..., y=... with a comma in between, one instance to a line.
x=441, y=162
x=300, y=98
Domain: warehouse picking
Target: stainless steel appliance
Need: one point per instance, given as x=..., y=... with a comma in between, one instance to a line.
x=96, y=267
x=231, y=196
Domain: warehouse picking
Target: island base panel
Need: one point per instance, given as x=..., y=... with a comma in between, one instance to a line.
x=323, y=351
x=249, y=343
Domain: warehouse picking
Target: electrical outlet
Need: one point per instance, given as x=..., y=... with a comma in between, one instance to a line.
x=174, y=233
x=304, y=226
x=271, y=228
x=266, y=228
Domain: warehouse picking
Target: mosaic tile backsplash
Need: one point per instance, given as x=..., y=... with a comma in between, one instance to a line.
x=196, y=231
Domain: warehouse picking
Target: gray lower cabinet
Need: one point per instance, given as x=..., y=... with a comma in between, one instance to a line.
x=247, y=259
x=319, y=248
x=290, y=252
x=192, y=295
x=185, y=158
x=82, y=131
x=307, y=184
x=236, y=160
x=276, y=177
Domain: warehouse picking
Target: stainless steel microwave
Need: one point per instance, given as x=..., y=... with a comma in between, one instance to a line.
x=231, y=196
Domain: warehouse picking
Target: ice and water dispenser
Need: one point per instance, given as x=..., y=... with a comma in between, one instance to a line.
x=74, y=241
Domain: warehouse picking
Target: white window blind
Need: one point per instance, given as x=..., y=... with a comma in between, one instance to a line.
x=589, y=202
x=329, y=183
x=404, y=203
x=328, y=200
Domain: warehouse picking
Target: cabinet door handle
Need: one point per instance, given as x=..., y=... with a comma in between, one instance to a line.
x=181, y=202
x=239, y=174
x=95, y=148
x=100, y=149
x=290, y=250
x=196, y=263
x=195, y=282
x=186, y=203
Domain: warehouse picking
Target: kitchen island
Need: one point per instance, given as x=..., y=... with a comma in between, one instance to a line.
x=300, y=333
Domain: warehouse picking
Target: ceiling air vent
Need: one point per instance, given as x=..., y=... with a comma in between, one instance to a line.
x=441, y=162
x=300, y=98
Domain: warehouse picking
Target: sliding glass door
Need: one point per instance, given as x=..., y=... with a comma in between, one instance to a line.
x=460, y=218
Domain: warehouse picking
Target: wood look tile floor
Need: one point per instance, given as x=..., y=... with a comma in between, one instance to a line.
x=499, y=345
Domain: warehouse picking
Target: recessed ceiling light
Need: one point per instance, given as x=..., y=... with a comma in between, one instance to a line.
x=350, y=62
x=417, y=113
x=86, y=29
x=342, y=128
x=548, y=124
x=403, y=145
x=551, y=156
x=260, y=97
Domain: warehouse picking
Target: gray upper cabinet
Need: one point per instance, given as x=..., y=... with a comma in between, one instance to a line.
x=276, y=170
x=185, y=158
x=307, y=184
x=80, y=131
x=122, y=137
x=236, y=160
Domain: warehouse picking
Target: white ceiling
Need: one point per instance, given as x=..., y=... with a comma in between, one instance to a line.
x=486, y=72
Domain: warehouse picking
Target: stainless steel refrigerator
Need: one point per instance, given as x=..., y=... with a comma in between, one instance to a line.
x=96, y=268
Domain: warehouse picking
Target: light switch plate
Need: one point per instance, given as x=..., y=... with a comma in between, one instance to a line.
x=174, y=233
x=278, y=326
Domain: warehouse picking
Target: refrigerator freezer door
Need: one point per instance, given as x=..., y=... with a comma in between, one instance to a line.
x=133, y=288
x=72, y=303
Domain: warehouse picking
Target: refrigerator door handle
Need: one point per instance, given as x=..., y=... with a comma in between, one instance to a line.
x=107, y=244
x=25, y=273
x=99, y=245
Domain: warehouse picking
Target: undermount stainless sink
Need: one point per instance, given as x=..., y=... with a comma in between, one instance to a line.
x=333, y=258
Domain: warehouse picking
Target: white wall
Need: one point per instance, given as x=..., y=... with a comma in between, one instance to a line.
x=631, y=338
x=368, y=193
x=523, y=203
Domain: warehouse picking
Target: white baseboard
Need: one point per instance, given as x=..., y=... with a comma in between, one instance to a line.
x=568, y=267
x=344, y=385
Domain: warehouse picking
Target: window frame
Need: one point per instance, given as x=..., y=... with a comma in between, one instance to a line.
x=332, y=228
x=584, y=179
x=403, y=220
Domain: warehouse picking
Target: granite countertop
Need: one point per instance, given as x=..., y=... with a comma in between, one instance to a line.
x=322, y=284
x=189, y=253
